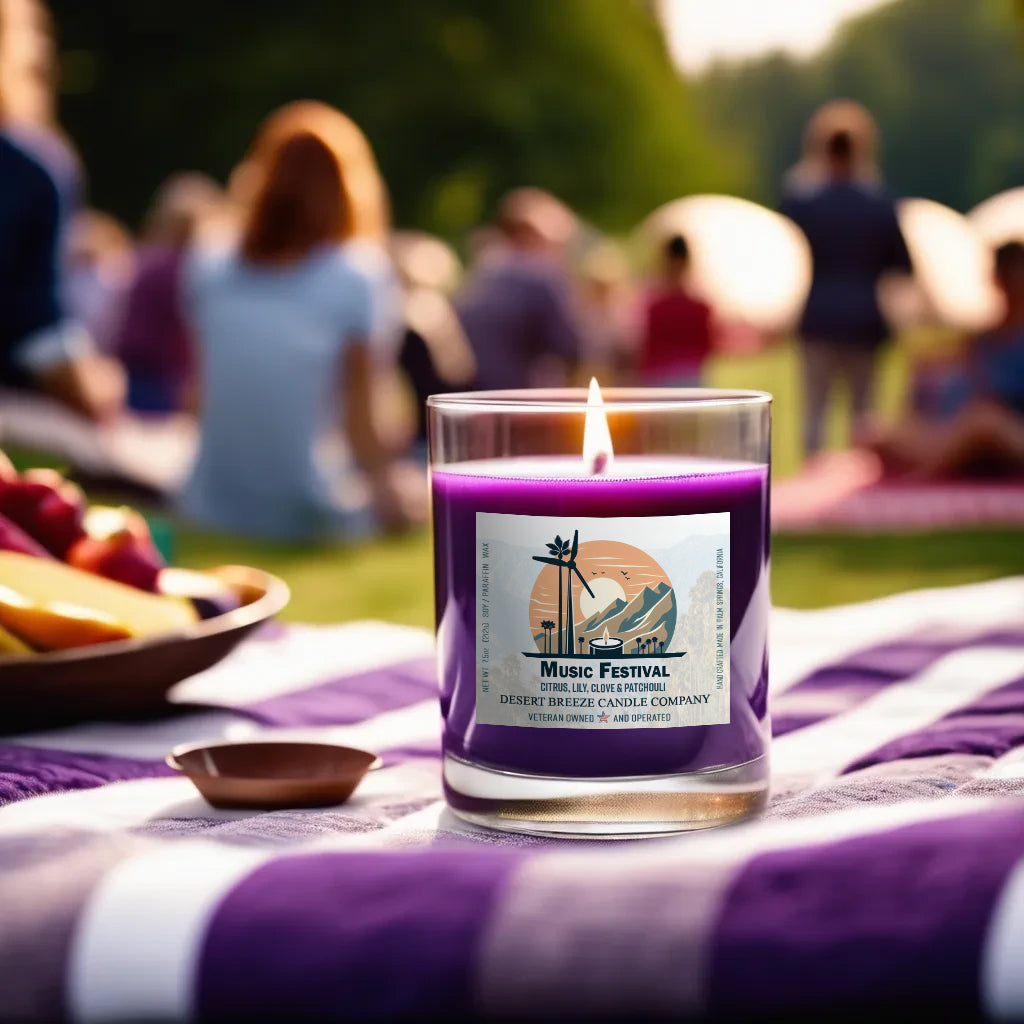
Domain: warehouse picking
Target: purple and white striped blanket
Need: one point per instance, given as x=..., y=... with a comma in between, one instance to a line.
x=887, y=874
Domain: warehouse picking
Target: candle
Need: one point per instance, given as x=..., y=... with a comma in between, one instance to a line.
x=602, y=619
x=607, y=646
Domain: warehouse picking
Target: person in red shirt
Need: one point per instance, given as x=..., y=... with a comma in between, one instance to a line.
x=677, y=329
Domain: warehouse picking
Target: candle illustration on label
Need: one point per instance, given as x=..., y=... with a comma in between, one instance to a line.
x=601, y=599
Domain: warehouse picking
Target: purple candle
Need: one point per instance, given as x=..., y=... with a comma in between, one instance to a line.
x=538, y=560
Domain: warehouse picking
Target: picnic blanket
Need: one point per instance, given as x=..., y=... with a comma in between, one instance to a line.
x=887, y=874
x=848, y=491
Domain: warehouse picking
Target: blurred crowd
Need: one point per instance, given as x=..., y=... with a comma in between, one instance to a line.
x=297, y=334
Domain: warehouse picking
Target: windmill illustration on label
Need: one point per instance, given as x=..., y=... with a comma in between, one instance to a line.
x=559, y=549
x=606, y=599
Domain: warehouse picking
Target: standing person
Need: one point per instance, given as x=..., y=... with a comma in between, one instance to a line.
x=284, y=322
x=517, y=307
x=153, y=342
x=677, y=329
x=851, y=226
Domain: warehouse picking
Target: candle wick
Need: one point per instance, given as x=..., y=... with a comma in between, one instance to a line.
x=599, y=464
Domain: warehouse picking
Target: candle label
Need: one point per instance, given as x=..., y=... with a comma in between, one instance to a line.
x=591, y=623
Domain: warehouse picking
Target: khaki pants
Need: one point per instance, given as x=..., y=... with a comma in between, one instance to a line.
x=824, y=364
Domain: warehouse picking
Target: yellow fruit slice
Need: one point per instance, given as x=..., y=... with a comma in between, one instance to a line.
x=11, y=645
x=58, y=625
x=45, y=583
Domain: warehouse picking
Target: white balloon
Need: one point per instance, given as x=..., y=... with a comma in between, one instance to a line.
x=952, y=265
x=749, y=262
x=1000, y=219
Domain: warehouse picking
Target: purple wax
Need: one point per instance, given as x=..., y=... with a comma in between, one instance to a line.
x=663, y=488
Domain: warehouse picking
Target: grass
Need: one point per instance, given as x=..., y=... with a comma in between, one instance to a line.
x=777, y=370
x=387, y=579
x=391, y=578
x=824, y=569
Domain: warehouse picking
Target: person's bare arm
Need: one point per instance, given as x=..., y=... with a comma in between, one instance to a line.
x=367, y=448
x=93, y=385
x=398, y=495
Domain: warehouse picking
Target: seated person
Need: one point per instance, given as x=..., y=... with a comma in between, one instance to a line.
x=979, y=428
x=517, y=307
x=434, y=356
x=41, y=349
x=153, y=340
x=285, y=323
x=677, y=326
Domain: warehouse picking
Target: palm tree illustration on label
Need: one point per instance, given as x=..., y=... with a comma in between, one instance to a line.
x=612, y=600
x=547, y=625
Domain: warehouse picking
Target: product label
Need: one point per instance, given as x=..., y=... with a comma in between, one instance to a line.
x=590, y=623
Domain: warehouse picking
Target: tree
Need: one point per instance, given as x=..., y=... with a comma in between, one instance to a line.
x=461, y=100
x=699, y=625
x=943, y=77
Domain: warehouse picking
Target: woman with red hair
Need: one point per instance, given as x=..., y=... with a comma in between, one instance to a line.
x=285, y=322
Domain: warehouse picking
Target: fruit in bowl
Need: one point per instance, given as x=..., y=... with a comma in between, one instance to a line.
x=74, y=575
x=209, y=595
x=56, y=625
x=14, y=538
x=116, y=543
x=53, y=606
x=76, y=646
x=10, y=645
x=45, y=506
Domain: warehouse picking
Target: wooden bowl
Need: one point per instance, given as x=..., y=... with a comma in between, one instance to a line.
x=264, y=775
x=130, y=678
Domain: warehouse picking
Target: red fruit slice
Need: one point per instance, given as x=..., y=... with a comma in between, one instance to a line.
x=14, y=538
x=50, y=514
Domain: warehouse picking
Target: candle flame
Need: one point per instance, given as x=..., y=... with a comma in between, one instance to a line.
x=606, y=637
x=597, y=441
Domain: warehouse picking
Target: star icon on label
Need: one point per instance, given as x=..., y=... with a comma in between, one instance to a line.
x=603, y=718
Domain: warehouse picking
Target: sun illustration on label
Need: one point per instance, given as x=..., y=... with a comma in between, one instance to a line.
x=600, y=599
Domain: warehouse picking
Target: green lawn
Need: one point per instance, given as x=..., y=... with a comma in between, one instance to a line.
x=391, y=578
x=777, y=371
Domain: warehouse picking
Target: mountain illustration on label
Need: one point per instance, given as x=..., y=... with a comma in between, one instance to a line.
x=601, y=599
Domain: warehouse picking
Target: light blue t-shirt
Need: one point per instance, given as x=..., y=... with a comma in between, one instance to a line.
x=271, y=342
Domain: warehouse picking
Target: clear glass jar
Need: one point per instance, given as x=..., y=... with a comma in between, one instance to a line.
x=601, y=582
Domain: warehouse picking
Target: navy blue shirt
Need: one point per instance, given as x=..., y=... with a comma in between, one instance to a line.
x=29, y=275
x=515, y=309
x=855, y=238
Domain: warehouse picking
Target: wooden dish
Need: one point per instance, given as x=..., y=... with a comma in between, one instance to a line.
x=130, y=678
x=264, y=775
